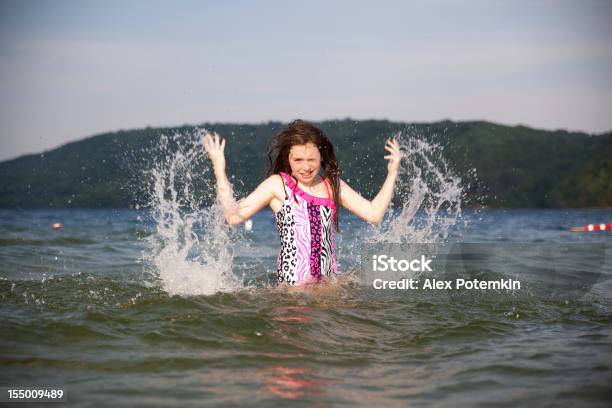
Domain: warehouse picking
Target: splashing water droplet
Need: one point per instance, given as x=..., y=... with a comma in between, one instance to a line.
x=191, y=247
x=430, y=195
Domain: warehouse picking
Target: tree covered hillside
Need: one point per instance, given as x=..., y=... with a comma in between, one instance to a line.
x=515, y=166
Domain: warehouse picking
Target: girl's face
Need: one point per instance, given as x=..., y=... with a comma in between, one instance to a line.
x=305, y=162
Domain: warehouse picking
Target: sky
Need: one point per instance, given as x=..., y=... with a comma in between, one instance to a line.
x=73, y=69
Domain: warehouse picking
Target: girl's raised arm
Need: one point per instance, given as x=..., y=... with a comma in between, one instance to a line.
x=374, y=211
x=237, y=212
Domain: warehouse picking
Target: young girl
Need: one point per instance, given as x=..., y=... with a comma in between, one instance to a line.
x=304, y=201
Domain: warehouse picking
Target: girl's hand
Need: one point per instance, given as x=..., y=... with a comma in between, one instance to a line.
x=394, y=155
x=215, y=148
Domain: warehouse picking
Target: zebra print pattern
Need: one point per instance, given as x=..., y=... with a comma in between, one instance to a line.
x=306, y=236
x=301, y=236
x=328, y=260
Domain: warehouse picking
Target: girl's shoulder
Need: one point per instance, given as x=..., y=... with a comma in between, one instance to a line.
x=275, y=184
x=273, y=177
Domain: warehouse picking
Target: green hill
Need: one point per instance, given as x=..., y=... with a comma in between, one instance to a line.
x=516, y=166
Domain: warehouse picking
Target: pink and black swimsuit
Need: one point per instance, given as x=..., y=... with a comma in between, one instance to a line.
x=305, y=225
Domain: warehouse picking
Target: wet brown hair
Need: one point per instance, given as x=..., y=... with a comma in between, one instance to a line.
x=300, y=132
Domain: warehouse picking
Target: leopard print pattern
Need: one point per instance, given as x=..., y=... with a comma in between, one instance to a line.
x=287, y=261
x=314, y=216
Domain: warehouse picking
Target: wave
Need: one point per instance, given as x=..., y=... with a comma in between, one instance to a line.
x=59, y=241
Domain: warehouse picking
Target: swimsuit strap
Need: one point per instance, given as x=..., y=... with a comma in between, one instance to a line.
x=333, y=203
x=284, y=189
x=327, y=188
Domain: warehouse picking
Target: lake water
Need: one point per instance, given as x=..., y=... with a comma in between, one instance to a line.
x=116, y=313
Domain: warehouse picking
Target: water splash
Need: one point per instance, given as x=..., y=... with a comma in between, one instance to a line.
x=191, y=247
x=429, y=193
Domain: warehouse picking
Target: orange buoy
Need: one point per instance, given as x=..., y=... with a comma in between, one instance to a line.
x=593, y=227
